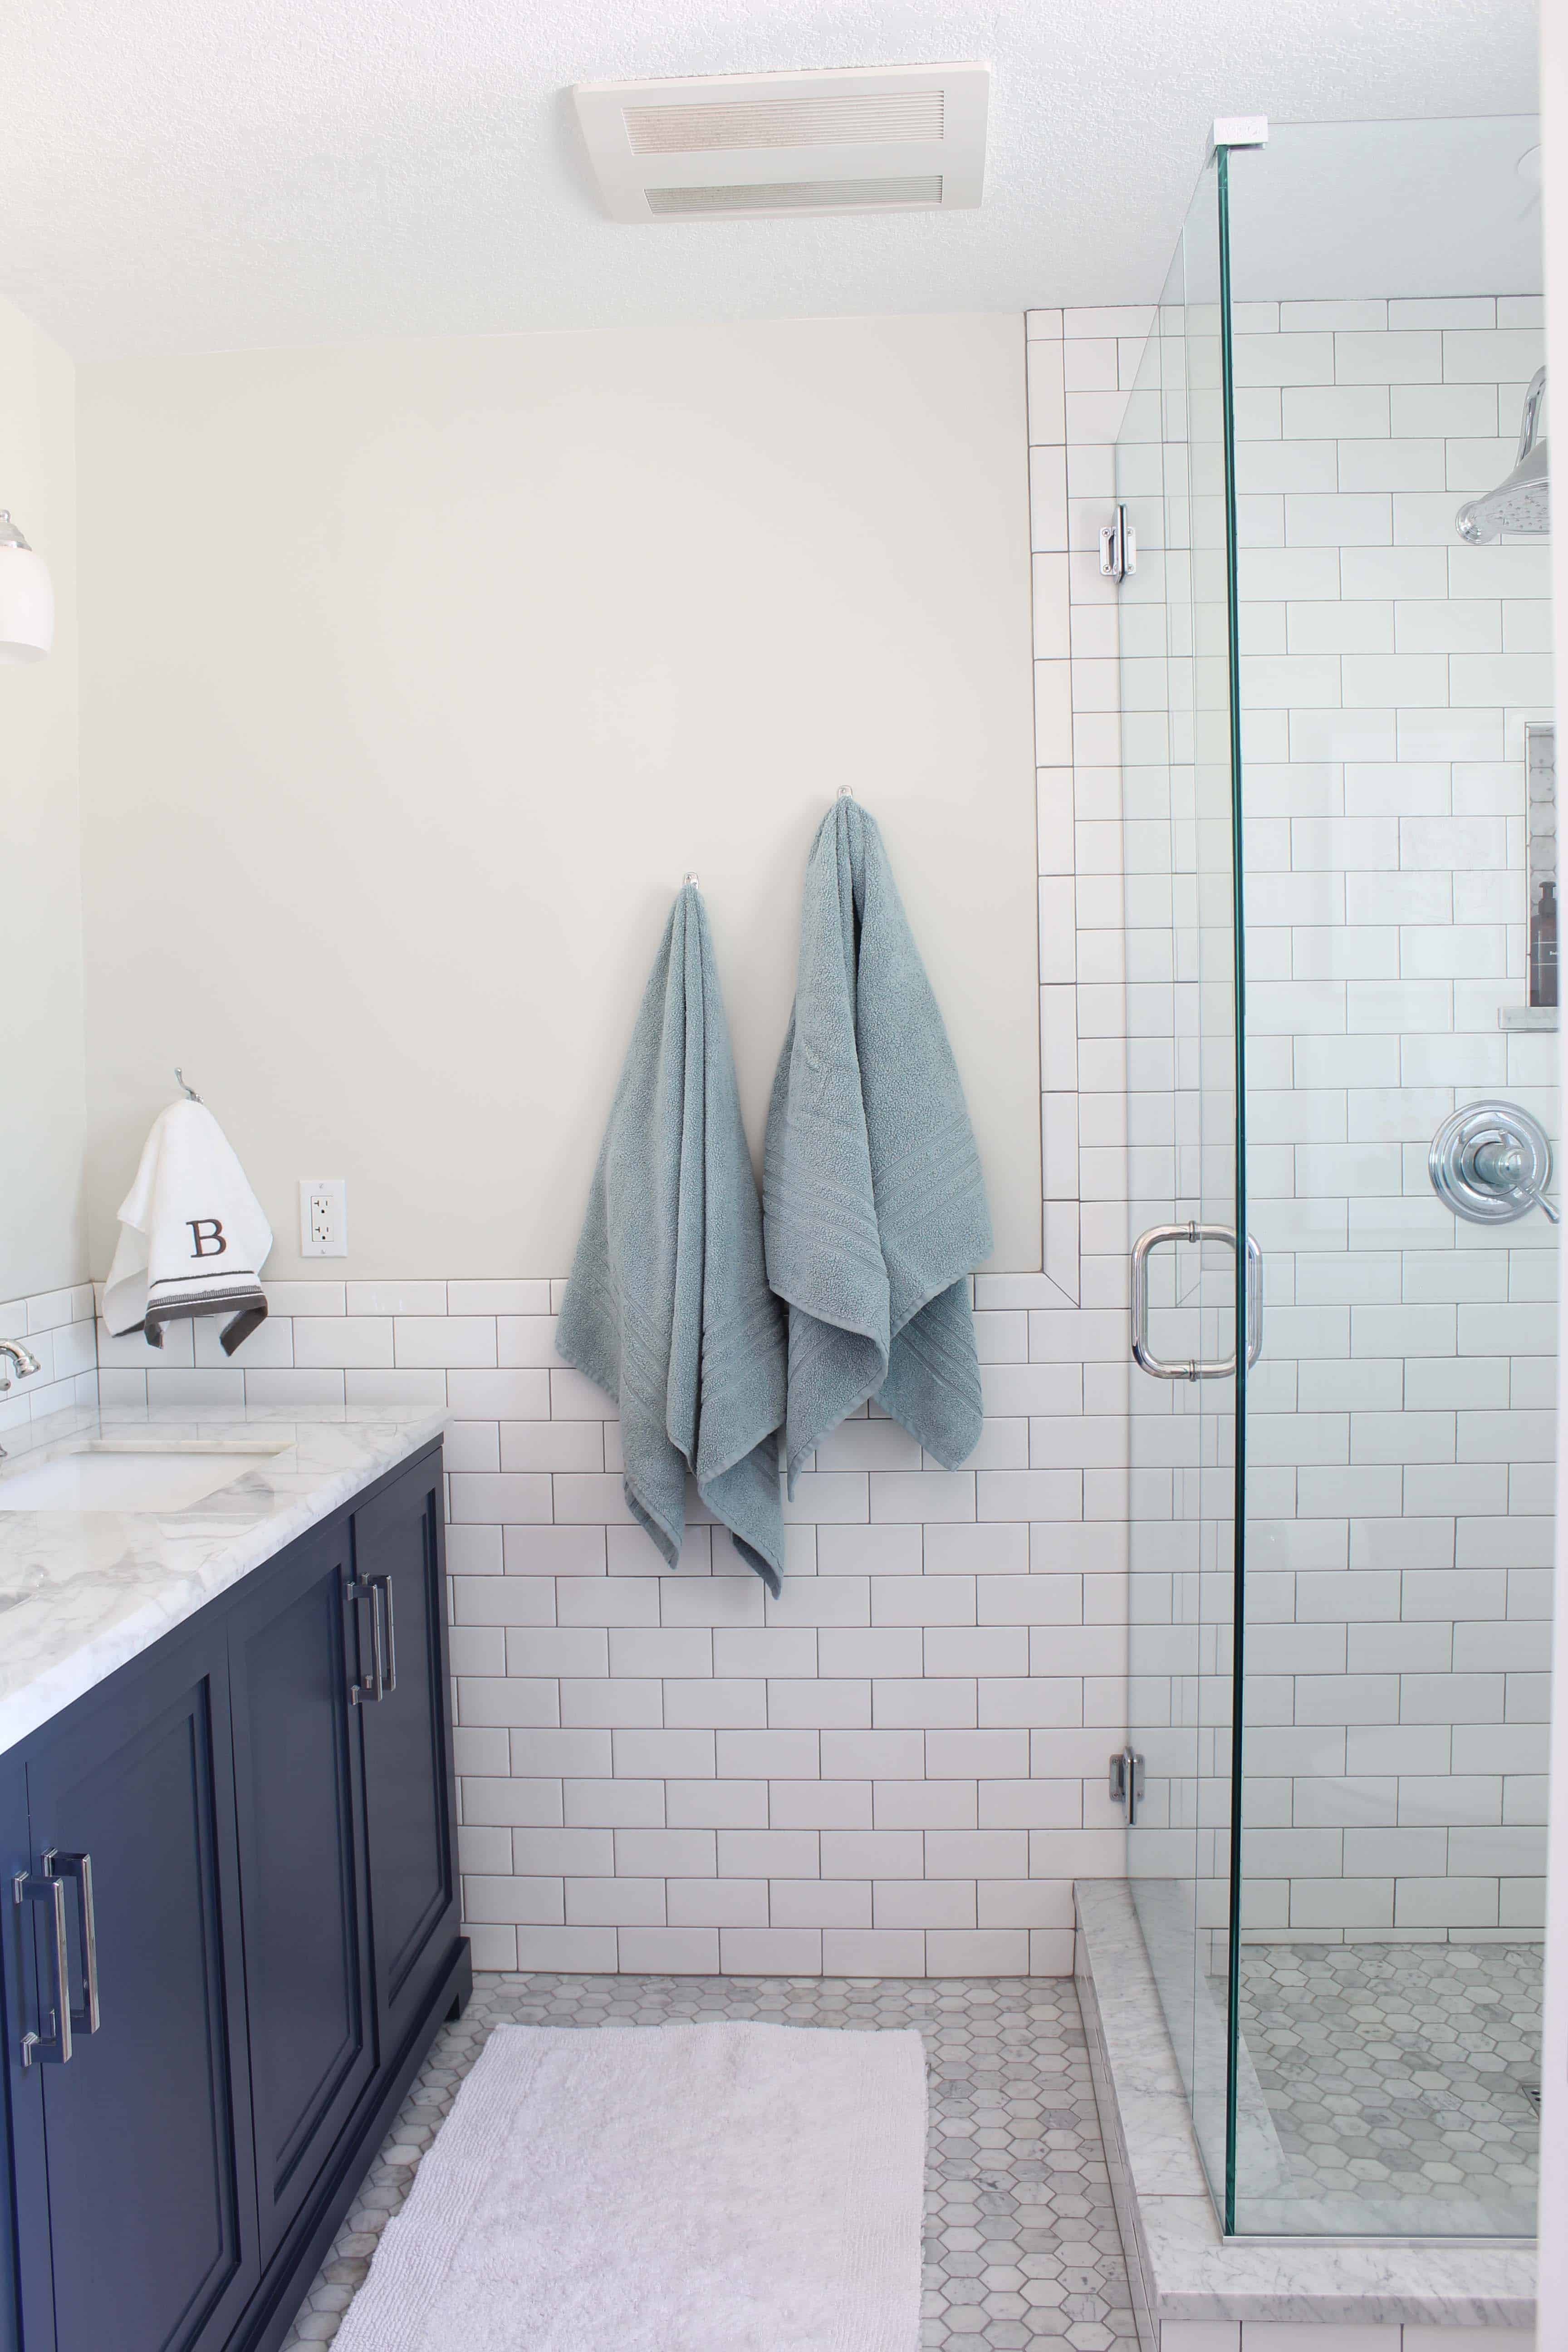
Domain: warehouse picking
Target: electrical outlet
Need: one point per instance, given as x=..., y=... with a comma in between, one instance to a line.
x=324, y=1217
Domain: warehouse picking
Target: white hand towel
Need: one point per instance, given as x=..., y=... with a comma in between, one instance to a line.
x=193, y=1239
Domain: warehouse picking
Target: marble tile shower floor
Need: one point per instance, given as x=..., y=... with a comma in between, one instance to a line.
x=1395, y=2071
x=1021, y=2243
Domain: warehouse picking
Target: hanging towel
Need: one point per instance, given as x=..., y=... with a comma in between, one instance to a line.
x=193, y=1239
x=668, y=1307
x=874, y=1204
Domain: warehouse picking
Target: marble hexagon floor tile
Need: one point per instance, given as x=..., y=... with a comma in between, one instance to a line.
x=1021, y=2243
x=1401, y=2072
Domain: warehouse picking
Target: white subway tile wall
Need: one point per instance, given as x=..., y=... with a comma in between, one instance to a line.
x=898, y=1767
x=1400, y=1423
x=57, y=1328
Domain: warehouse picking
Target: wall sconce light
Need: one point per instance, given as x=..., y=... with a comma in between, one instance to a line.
x=27, y=598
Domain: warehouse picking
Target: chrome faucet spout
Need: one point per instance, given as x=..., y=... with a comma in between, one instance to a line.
x=22, y=1358
x=14, y=1354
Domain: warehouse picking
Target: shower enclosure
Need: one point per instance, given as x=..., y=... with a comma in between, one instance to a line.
x=1340, y=827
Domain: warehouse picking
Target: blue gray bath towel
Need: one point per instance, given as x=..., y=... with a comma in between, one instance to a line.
x=873, y=1203
x=668, y=1307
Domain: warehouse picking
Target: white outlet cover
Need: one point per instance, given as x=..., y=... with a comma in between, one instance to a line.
x=329, y=1237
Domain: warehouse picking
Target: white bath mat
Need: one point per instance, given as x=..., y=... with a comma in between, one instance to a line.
x=727, y=2187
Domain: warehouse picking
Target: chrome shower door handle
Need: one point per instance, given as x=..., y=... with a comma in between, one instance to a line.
x=1200, y=1369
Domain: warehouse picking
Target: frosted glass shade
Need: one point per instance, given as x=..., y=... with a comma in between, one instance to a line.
x=27, y=605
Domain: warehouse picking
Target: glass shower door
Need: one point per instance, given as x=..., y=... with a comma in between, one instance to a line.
x=1177, y=626
x=1400, y=1428
x=1342, y=1562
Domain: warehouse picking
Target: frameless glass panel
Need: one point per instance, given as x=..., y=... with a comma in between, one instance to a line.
x=1155, y=645
x=1179, y=1050
x=1317, y=659
x=1399, y=1425
x=1223, y=2109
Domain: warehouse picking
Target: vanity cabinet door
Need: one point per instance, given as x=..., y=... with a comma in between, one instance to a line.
x=147, y=2136
x=400, y=1568
x=298, y=1802
x=24, y=2203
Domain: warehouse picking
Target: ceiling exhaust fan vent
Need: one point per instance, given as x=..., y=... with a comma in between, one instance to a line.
x=733, y=146
x=841, y=120
x=795, y=197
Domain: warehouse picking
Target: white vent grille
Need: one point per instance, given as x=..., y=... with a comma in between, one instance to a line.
x=886, y=138
x=795, y=197
x=847, y=119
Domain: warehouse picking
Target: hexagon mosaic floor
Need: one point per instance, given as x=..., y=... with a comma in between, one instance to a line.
x=1021, y=2240
x=1395, y=2071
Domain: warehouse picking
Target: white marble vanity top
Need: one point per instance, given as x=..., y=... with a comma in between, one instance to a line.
x=81, y=1592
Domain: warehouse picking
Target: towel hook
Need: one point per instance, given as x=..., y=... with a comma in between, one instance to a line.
x=190, y=1091
x=690, y=879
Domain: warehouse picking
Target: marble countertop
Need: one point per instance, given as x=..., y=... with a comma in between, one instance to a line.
x=81, y=1592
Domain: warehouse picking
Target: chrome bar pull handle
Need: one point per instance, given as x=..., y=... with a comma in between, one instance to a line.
x=61, y=1866
x=381, y=1586
x=1205, y=1368
x=54, y=2047
x=365, y=1689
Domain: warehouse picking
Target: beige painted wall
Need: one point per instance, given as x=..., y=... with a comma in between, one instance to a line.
x=417, y=674
x=43, y=1230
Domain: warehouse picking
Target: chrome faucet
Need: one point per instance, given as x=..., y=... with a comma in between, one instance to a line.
x=22, y=1358
x=12, y=1353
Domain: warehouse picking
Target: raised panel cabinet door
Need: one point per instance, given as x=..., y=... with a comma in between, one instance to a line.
x=24, y=2204
x=296, y=1800
x=147, y=2132
x=400, y=1572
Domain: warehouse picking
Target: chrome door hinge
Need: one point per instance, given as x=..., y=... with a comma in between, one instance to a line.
x=1127, y=1782
x=1119, y=548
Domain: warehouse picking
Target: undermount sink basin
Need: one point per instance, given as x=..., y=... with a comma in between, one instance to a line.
x=104, y=1475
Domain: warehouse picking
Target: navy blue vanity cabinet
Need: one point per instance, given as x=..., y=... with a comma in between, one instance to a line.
x=298, y=1798
x=25, y=2213
x=399, y=1542
x=231, y=1868
x=152, y=2238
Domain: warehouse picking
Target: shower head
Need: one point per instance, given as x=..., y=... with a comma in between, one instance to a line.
x=1522, y=503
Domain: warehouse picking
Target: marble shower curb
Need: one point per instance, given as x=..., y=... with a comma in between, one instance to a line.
x=1182, y=2272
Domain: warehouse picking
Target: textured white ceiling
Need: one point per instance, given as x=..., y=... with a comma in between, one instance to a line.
x=1342, y=209
x=185, y=176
